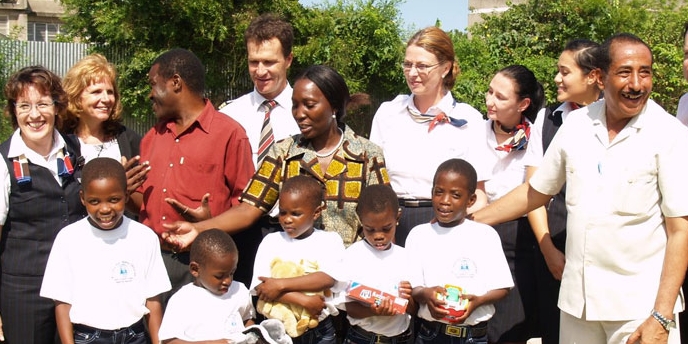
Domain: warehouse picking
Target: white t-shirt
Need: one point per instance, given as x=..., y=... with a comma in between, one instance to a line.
x=195, y=314
x=382, y=270
x=469, y=256
x=105, y=275
x=412, y=154
x=321, y=249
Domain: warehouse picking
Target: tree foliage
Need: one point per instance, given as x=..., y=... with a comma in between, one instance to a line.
x=535, y=32
x=358, y=38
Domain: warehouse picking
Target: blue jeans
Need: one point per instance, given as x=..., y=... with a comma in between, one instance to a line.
x=134, y=334
x=323, y=334
x=357, y=335
x=437, y=332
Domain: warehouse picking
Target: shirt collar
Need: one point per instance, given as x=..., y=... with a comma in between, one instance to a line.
x=284, y=97
x=637, y=122
x=203, y=121
x=18, y=147
x=446, y=104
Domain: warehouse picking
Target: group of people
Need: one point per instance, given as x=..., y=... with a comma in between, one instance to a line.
x=578, y=237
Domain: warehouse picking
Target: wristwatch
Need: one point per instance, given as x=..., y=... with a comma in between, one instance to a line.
x=668, y=324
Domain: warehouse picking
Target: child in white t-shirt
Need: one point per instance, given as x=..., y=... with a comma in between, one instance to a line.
x=454, y=254
x=318, y=251
x=213, y=308
x=378, y=263
x=105, y=272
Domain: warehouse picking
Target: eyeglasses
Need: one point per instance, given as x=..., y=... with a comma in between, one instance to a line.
x=420, y=67
x=42, y=107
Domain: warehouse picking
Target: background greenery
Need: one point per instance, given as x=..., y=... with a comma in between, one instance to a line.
x=364, y=40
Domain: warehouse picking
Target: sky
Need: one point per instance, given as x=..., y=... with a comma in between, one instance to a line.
x=417, y=14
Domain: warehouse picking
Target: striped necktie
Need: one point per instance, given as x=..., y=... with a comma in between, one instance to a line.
x=266, y=137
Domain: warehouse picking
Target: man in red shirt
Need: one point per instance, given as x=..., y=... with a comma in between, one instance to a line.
x=195, y=154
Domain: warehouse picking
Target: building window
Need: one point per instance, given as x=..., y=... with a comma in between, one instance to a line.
x=4, y=25
x=43, y=32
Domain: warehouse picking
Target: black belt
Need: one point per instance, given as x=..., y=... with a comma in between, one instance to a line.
x=414, y=203
x=459, y=331
x=378, y=338
x=137, y=327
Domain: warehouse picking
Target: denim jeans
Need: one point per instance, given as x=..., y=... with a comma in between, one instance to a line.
x=323, y=334
x=134, y=334
x=357, y=335
x=435, y=332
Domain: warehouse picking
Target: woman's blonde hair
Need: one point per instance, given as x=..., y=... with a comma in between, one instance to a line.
x=90, y=70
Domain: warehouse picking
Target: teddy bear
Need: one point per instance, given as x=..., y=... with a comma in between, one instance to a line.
x=295, y=318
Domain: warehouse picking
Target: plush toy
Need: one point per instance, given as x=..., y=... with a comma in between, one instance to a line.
x=295, y=318
x=270, y=331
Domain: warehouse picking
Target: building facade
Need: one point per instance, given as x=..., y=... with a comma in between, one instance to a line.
x=31, y=20
x=479, y=7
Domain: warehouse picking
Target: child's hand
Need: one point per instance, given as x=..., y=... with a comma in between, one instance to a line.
x=473, y=303
x=270, y=289
x=435, y=305
x=383, y=307
x=314, y=304
x=405, y=290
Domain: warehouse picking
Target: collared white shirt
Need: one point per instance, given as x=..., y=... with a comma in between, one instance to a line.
x=508, y=168
x=412, y=154
x=617, y=195
x=17, y=148
x=250, y=113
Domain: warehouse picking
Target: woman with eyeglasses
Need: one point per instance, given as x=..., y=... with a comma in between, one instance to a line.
x=419, y=131
x=39, y=195
x=94, y=116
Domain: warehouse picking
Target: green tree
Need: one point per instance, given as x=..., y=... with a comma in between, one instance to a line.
x=133, y=33
x=533, y=34
x=360, y=38
x=9, y=54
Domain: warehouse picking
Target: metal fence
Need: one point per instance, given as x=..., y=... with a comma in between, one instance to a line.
x=59, y=57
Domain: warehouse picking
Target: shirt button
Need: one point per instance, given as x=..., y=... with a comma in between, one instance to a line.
x=164, y=218
x=176, y=140
x=171, y=165
x=164, y=190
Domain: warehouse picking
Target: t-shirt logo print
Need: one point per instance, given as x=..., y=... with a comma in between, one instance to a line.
x=123, y=272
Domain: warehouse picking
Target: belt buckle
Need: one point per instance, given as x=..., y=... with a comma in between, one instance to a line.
x=456, y=331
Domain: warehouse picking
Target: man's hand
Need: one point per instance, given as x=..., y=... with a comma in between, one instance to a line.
x=136, y=173
x=649, y=332
x=2, y=334
x=200, y=213
x=179, y=235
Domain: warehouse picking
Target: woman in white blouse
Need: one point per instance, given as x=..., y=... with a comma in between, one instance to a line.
x=419, y=131
x=513, y=100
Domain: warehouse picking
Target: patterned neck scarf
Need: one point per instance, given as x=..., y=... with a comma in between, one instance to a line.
x=519, y=137
x=435, y=120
